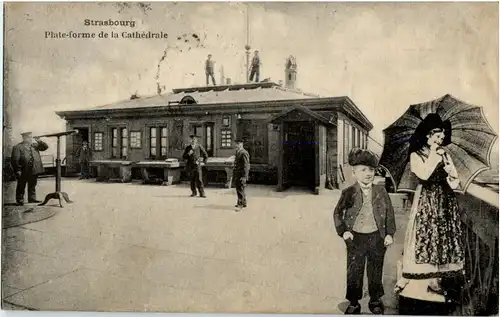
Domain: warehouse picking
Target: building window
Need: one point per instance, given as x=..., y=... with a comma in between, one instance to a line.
x=135, y=139
x=226, y=138
x=255, y=134
x=152, y=142
x=208, y=137
x=98, y=138
x=158, y=142
x=114, y=143
x=124, y=142
x=353, y=137
x=226, y=121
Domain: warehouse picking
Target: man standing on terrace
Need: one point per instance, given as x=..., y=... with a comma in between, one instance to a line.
x=27, y=165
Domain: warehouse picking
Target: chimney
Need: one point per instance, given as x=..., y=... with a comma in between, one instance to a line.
x=222, y=74
x=228, y=81
x=290, y=72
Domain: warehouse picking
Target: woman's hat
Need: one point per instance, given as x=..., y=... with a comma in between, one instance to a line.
x=430, y=122
x=359, y=156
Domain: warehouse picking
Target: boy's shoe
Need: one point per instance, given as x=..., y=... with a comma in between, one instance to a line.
x=376, y=307
x=353, y=309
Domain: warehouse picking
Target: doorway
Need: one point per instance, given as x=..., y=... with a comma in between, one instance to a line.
x=209, y=139
x=299, y=154
x=206, y=133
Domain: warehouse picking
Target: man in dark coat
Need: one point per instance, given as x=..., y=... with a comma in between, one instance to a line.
x=27, y=165
x=195, y=156
x=241, y=171
x=84, y=157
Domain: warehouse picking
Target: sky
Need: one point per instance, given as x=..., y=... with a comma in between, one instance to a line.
x=384, y=56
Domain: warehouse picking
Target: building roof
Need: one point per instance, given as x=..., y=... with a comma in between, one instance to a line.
x=245, y=96
x=224, y=94
x=314, y=115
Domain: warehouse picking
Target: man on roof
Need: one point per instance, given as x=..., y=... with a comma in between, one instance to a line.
x=209, y=69
x=255, y=67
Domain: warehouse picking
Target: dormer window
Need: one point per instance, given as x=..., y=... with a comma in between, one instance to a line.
x=188, y=100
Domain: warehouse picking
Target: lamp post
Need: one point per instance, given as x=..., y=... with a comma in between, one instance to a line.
x=247, y=47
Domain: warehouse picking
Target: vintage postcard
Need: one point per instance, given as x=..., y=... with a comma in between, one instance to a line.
x=251, y=157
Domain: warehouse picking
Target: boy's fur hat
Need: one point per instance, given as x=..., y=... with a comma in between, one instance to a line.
x=359, y=156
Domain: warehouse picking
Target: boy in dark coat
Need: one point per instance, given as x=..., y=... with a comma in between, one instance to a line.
x=364, y=218
x=27, y=165
x=195, y=156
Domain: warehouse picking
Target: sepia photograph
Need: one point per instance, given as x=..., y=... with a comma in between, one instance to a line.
x=251, y=157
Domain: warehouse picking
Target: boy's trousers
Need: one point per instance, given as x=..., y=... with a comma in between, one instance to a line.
x=365, y=248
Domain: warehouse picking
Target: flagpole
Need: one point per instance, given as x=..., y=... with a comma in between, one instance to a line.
x=247, y=46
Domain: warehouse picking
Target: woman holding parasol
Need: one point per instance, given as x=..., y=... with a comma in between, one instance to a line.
x=434, y=149
x=433, y=244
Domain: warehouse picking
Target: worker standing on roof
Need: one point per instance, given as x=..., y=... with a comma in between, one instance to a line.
x=209, y=68
x=255, y=67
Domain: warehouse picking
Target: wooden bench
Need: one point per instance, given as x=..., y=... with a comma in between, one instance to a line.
x=48, y=161
x=224, y=164
x=166, y=172
x=113, y=169
x=49, y=164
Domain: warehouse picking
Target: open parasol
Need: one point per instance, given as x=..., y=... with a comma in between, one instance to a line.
x=472, y=139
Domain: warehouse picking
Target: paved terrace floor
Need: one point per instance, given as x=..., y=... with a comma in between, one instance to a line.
x=134, y=247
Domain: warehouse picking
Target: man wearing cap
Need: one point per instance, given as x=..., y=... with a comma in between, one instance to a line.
x=241, y=170
x=195, y=156
x=27, y=165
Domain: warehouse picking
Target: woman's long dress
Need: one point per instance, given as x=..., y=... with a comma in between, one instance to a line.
x=433, y=246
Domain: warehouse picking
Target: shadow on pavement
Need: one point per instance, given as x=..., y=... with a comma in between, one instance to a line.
x=217, y=207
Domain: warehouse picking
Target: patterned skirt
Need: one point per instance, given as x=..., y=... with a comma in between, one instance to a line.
x=433, y=242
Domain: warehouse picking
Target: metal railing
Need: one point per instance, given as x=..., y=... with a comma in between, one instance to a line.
x=479, y=295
